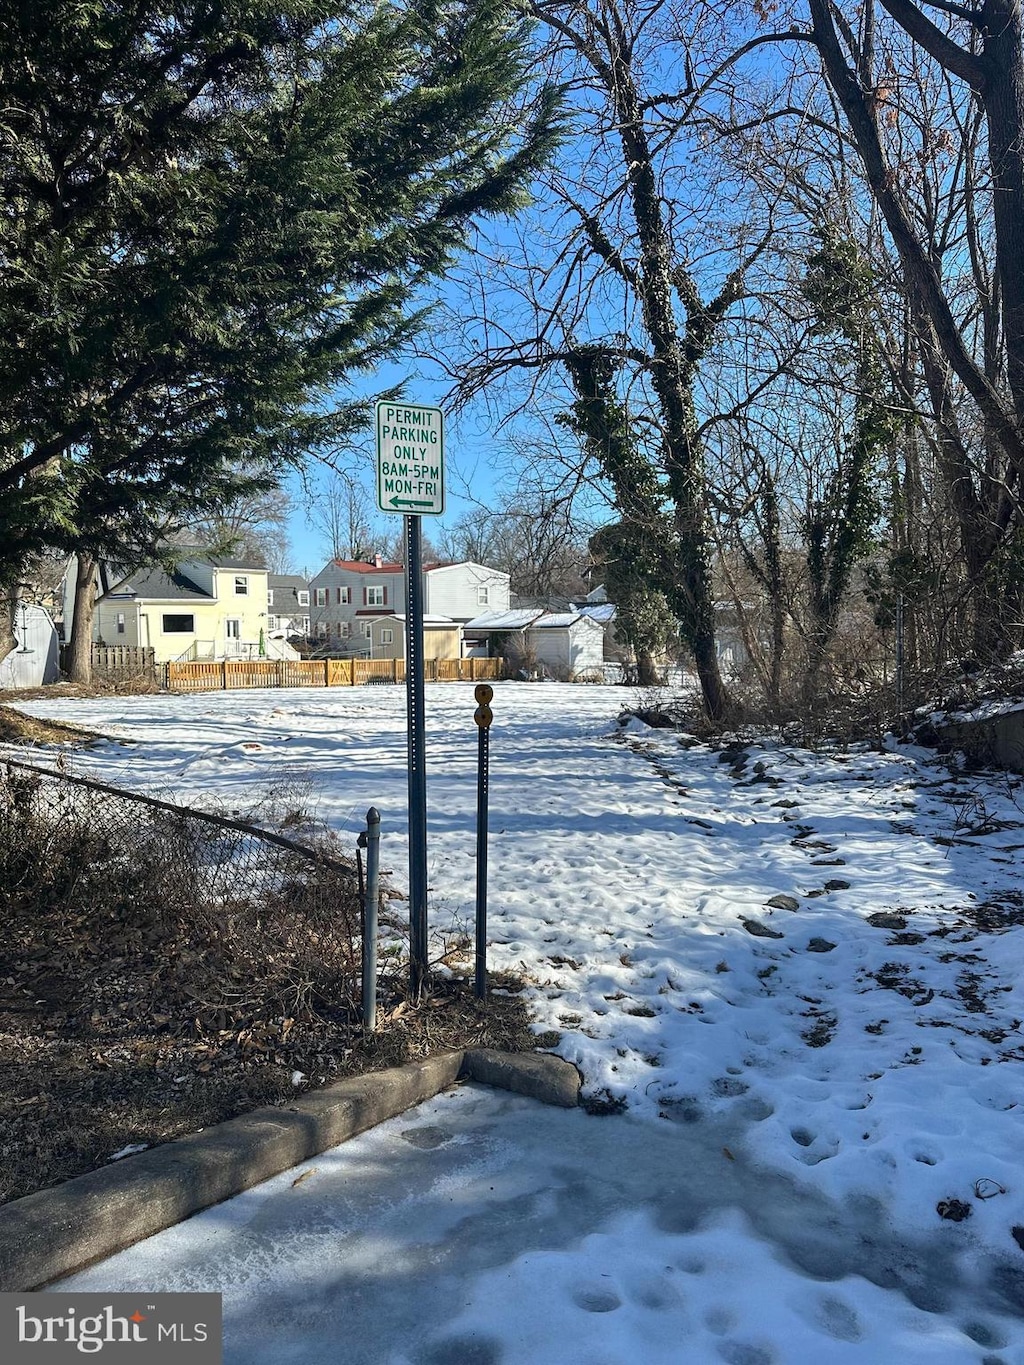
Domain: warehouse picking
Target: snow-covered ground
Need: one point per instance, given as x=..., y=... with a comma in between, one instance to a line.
x=804, y=968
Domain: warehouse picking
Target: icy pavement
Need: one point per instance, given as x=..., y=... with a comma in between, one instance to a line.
x=812, y=959
x=485, y=1229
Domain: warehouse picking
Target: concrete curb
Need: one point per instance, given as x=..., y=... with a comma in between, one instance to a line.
x=46, y=1236
x=536, y=1074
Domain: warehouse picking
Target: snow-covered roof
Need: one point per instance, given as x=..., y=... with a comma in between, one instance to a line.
x=502, y=620
x=597, y=611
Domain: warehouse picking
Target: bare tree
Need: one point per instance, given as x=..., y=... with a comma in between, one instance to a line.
x=949, y=195
x=253, y=527
x=627, y=279
x=534, y=534
x=341, y=513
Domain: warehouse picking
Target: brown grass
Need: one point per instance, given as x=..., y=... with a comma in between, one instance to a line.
x=134, y=1011
x=17, y=728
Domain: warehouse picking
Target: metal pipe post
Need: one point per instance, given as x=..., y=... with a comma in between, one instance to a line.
x=482, y=717
x=371, y=905
x=417, y=756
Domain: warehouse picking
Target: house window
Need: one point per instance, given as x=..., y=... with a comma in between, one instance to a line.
x=270, y=597
x=344, y=596
x=387, y=637
x=271, y=623
x=233, y=628
x=303, y=597
x=482, y=595
x=321, y=630
x=120, y=623
x=376, y=595
x=241, y=586
x=367, y=630
x=321, y=596
x=344, y=630
x=179, y=625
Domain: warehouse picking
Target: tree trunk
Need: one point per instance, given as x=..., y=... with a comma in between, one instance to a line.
x=647, y=674
x=79, y=656
x=8, y=607
x=676, y=358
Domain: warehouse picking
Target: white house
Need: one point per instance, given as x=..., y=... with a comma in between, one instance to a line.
x=464, y=590
x=566, y=642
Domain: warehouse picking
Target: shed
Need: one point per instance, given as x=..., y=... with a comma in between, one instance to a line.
x=441, y=637
x=35, y=660
x=498, y=634
x=566, y=642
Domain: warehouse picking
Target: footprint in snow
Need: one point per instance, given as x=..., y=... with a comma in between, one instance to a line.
x=596, y=1299
x=740, y=1353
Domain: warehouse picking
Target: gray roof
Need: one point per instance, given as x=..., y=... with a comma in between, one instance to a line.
x=156, y=583
x=190, y=554
x=287, y=580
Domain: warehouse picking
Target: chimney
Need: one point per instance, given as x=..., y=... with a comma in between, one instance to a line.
x=378, y=560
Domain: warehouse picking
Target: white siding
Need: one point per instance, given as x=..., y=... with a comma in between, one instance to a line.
x=575, y=648
x=463, y=591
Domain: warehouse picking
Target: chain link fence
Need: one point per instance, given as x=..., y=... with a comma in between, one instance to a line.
x=225, y=923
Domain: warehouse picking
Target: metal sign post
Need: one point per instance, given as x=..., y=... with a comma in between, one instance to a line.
x=410, y=480
x=417, y=756
x=483, y=717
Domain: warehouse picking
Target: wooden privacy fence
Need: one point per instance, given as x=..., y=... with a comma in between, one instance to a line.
x=120, y=663
x=230, y=673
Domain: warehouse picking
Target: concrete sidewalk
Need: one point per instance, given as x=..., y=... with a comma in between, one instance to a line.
x=364, y=1254
x=485, y=1227
x=60, y=1230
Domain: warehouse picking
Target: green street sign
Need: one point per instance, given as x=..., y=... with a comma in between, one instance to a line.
x=410, y=459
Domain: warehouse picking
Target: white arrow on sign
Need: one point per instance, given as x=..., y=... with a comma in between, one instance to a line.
x=410, y=459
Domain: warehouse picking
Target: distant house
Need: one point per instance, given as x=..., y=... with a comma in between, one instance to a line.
x=347, y=597
x=200, y=609
x=287, y=605
x=464, y=590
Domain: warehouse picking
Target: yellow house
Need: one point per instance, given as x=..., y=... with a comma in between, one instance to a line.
x=442, y=637
x=204, y=609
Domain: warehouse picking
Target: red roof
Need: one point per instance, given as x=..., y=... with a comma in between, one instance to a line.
x=361, y=566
